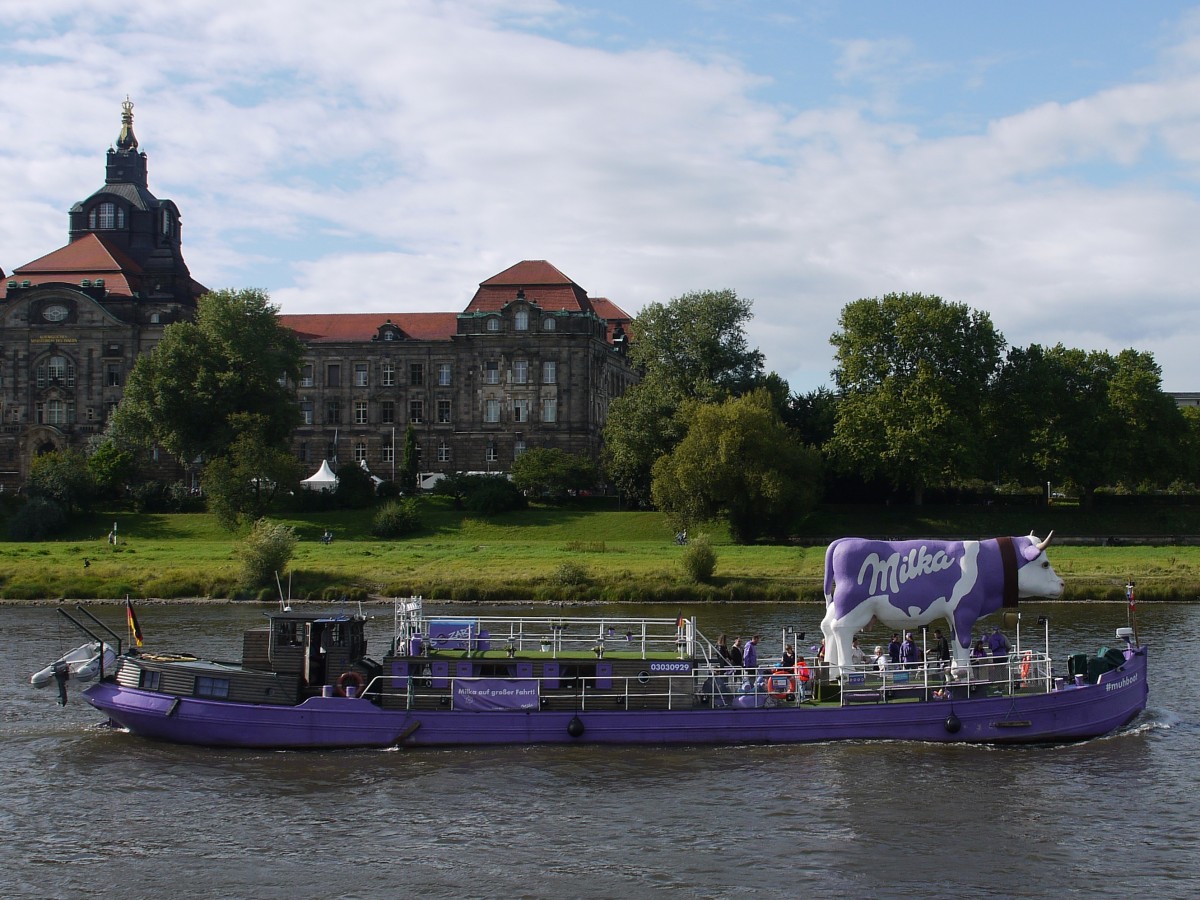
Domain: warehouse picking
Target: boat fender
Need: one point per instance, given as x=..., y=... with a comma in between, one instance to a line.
x=347, y=678
x=575, y=727
x=953, y=725
x=61, y=673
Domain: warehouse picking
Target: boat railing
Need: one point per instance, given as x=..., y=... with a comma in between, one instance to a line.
x=1029, y=671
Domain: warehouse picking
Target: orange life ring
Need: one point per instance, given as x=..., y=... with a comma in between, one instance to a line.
x=781, y=684
x=1026, y=662
x=347, y=678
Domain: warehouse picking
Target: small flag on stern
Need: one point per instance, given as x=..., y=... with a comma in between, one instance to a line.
x=1129, y=595
x=134, y=628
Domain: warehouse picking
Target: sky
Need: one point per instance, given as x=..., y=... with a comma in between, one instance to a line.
x=1036, y=161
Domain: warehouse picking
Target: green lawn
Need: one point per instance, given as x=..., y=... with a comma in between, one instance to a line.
x=612, y=555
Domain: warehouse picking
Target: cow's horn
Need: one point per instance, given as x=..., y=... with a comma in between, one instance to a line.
x=1042, y=545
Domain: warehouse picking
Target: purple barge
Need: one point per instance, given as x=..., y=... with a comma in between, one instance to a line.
x=306, y=681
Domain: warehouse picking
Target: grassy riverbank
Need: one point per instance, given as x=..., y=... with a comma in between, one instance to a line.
x=565, y=554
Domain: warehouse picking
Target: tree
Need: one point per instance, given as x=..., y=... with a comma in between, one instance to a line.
x=265, y=552
x=242, y=483
x=913, y=372
x=235, y=358
x=552, y=472
x=698, y=343
x=408, y=466
x=691, y=348
x=111, y=467
x=355, y=489
x=1086, y=418
x=739, y=461
x=62, y=476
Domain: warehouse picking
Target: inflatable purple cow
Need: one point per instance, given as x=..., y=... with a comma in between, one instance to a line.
x=905, y=584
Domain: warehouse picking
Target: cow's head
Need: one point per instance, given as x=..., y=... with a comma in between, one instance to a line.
x=1035, y=576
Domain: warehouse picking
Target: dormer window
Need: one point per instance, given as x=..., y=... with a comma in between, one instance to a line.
x=521, y=320
x=493, y=324
x=106, y=216
x=548, y=324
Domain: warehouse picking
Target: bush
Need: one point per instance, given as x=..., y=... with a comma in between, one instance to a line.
x=355, y=489
x=37, y=520
x=265, y=551
x=396, y=519
x=494, y=494
x=699, y=560
x=572, y=573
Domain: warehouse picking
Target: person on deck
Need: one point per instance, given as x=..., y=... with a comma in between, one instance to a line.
x=750, y=655
x=858, y=659
x=735, y=653
x=894, y=649
x=882, y=660
x=788, y=660
x=998, y=644
x=941, y=647
x=724, y=657
x=803, y=678
x=910, y=653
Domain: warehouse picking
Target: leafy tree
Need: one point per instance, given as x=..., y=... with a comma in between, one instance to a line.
x=355, y=489
x=552, y=472
x=408, y=466
x=1085, y=418
x=112, y=467
x=913, y=372
x=235, y=358
x=242, y=483
x=37, y=519
x=739, y=461
x=64, y=477
x=698, y=343
x=691, y=348
x=265, y=552
x=699, y=560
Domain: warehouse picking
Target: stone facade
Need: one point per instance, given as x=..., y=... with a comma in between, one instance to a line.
x=531, y=362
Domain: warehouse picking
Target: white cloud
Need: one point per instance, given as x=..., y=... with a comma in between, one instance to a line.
x=391, y=156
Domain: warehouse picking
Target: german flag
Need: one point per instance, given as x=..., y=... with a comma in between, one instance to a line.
x=134, y=628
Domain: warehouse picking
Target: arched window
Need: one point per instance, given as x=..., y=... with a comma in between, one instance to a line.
x=521, y=320
x=493, y=324
x=548, y=324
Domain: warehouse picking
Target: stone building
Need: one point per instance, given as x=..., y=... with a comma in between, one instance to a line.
x=531, y=361
x=73, y=322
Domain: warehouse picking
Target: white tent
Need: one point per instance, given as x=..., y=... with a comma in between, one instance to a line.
x=323, y=480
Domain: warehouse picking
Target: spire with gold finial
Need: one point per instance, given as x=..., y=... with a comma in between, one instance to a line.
x=127, y=140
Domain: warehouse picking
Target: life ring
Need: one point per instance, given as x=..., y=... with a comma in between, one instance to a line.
x=781, y=684
x=1026, y=663
x=350, y=677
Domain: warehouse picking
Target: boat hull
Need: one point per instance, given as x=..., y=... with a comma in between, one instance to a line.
x=1071, y=713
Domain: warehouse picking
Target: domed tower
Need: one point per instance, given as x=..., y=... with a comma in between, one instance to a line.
x=128, y=218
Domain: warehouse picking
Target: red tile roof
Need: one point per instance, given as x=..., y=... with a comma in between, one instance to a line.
x=542, y=283
x=330, y=327
x=89, y=257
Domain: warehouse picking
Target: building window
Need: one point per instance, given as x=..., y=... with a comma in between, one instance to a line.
x=333, y=375
x=389, y=374
x=518, y=448
x=493, y=324
x=418, y=453
x=360, y=452
x=491, y=412
x=443, y=412
x=389, y=453
x=306, y=412
x=360, y=412
x=112, y=374
x=548, y=324
x=416, y=374
x=108, y=215
x=306, y=375
x=443, y=452
x=387, y=412
x=549, y=410
x=520, y=410
x=360, y=374
x=416, y=410
x=549, y=373
x=490, y=454
x=303, y=454
x=333, y=412
x=54, y=412
x=207, y=686
x=444, y=375
x=520, y=371
x=491, y=372
x=521, y=320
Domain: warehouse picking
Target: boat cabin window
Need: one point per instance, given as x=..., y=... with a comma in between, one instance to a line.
x=289, y=633
x=151, y=680
x=212, y=687
x=571, y=675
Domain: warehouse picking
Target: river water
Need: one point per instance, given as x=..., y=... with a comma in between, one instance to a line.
x=89, y=811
